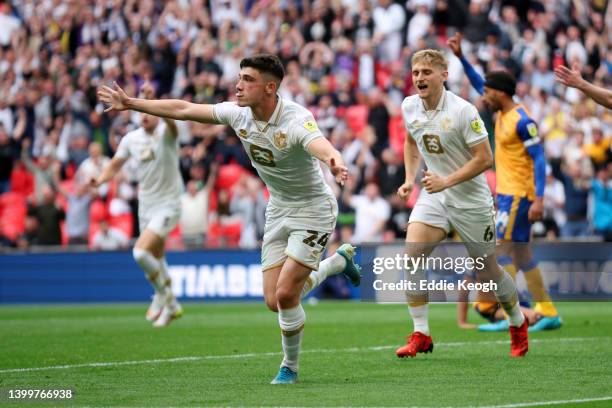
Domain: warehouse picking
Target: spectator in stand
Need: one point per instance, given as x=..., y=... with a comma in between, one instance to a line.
x=371, y=213
x=400, y=214
x=573, y=151
x=419, y=23
x=48, y=214
x=543, y=78
x=8, y=24
x=554, y=130
x=29, y=237
x=77, y=214
x=576, y=187
x=242, y=208
x=379, y=113
x=390, y=173
x=554, y=199
x=46, y=171
x=91, y=167
x=599, y=149
x=358, y=155
x=194, y=214
x=53, y=57
x=109, y=239
x=8, y=155
x=602, y=194
x=389, y=19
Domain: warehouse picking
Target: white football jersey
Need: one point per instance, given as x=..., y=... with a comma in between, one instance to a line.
x=157, y=155
x=278, y=150
x=444, y=137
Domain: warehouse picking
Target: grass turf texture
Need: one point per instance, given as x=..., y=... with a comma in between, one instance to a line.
x=567, y=364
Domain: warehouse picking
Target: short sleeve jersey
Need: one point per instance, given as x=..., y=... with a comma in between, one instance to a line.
x=444, y=137
x=159, y=179
x=278, y=150
x=515, y=132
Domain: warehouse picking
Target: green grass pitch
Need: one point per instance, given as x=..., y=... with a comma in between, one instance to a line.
x=226, y=354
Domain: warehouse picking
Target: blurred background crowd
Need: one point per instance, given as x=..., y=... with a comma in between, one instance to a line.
x=348, y=61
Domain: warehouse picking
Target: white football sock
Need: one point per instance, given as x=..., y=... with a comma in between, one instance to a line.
x=291, y=322
x=151, y=267
x=420, y=318
x=508, y=297
x=332, y=265
x=164, y=272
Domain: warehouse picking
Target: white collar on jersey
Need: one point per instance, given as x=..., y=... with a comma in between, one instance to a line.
x=441, y=102
x=274, y=119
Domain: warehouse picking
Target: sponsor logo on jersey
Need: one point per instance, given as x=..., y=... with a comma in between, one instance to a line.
x=280, y=140
x=433, y=144
x=476, y=125
x=310, y=126
x=146, y=154
x=262, y=156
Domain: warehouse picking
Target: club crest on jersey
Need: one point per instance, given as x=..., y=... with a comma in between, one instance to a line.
x=310, y=126
x=476, y=125
x=532, y=129
x=280, y=140
x=243, y=133
x=445, y=124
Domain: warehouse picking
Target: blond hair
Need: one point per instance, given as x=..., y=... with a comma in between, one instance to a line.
x=433, y=57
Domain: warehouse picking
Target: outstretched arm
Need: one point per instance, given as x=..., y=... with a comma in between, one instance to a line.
x=475, y=79
x=572, y=78
x=117, y=99
x=148, y=92
x=324, y=151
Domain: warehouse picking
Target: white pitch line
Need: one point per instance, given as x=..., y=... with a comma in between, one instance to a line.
x=514, y=405
x=540, y=403
x=268, y=354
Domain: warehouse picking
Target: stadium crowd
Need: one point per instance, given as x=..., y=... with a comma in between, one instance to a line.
x=346, y=60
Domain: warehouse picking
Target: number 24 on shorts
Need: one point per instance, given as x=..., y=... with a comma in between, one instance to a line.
x=311, y=240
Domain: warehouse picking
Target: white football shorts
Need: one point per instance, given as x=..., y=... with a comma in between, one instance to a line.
x=160, y=218
x=300, y=233
x=474, y=225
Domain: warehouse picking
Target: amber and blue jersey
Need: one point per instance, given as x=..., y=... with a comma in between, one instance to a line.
x=520, y=166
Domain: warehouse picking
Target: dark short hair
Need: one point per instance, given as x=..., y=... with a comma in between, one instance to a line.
x=502, y=81
x=265, y=63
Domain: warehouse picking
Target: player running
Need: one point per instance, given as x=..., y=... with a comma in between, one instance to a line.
x=154, y=146
x=283, y=142
x=521, y=178
x=449, y=134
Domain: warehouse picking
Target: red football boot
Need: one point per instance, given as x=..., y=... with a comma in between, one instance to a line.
x=417, y=343
x=519, y=344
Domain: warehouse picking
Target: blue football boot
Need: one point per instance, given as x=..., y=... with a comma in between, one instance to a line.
x=285, y=376
x=352, y=271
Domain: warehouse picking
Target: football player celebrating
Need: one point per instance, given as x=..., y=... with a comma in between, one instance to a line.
x=283, y=142
x=449, y=135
